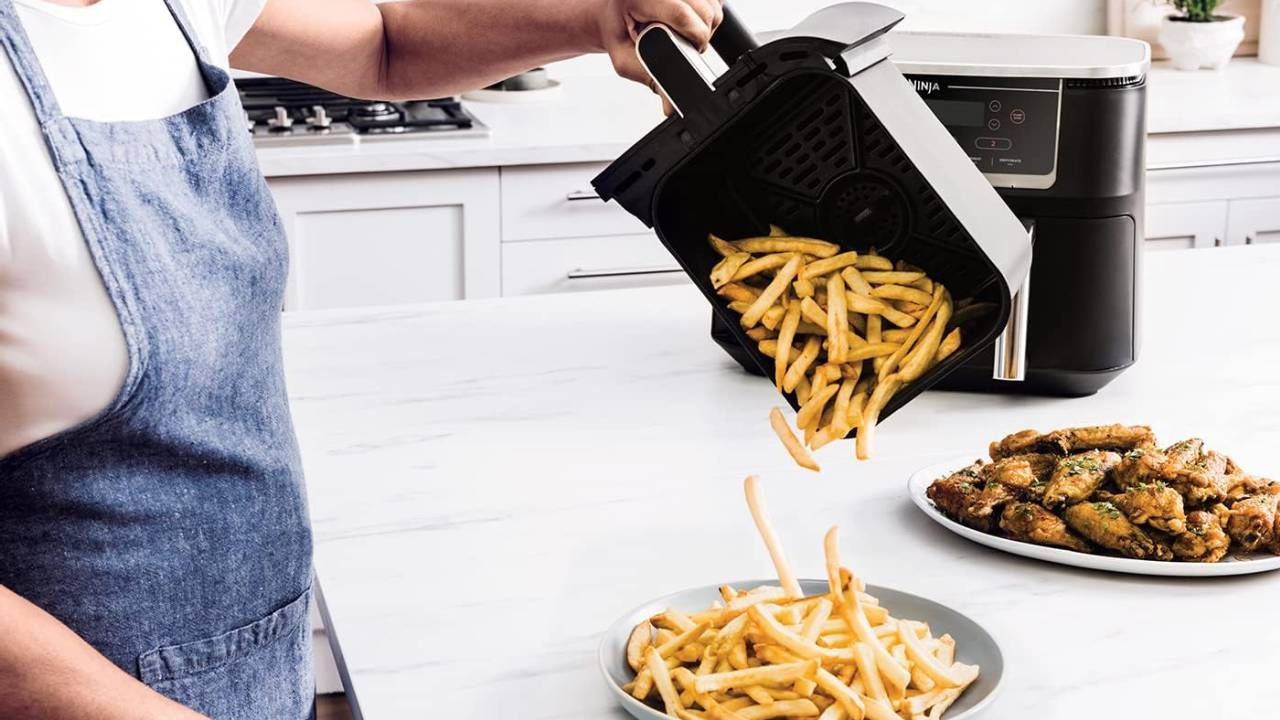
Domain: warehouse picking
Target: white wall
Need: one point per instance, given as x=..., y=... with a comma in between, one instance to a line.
x=1041, y=16
x=1027, y=16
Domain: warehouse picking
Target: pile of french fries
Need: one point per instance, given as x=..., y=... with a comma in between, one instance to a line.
x=771, y=652
x=846, y=331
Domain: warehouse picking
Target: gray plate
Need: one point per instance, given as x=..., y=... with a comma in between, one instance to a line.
x=974, y=645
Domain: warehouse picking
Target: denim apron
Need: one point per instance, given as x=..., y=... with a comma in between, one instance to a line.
x=171, y=531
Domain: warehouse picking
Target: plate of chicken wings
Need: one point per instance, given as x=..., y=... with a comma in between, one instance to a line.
x=1109, y=498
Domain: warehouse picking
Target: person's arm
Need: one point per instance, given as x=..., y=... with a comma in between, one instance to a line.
x=48, y=673
x=418, y=49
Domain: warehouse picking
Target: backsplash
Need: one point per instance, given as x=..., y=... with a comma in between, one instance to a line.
x=1010, y=16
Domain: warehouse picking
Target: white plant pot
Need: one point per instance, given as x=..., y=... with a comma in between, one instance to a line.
x=1195, y=45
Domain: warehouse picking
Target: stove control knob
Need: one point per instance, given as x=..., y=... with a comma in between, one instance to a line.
x=319, y=118
x=281, y=121
x=248, y=122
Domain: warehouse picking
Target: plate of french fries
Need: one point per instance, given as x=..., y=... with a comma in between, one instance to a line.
x=831, y=649
x=842, y=332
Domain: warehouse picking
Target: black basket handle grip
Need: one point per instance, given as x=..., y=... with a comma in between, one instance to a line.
x=681, y=73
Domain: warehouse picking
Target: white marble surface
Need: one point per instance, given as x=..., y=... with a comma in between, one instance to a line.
x=595, y=119
x=494, y=482
x=1243, y=96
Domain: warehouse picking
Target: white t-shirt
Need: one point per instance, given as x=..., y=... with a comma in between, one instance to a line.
x=62, y=352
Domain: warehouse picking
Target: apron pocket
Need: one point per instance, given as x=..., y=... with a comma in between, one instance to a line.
x=177, y=662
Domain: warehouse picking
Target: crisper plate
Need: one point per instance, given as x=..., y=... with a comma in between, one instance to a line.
x=921, y=480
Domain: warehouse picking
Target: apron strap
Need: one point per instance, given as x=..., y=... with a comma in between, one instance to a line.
x=193, y=40
x=27, y=66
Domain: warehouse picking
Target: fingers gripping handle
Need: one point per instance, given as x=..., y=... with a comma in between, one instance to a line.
x=682, y=74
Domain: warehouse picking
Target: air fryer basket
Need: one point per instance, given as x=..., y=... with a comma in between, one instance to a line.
x=792, y=143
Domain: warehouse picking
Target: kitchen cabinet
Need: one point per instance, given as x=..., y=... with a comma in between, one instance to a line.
x=364, y=240
x=548, y=202
x=1183, y=226
x=1253, y=222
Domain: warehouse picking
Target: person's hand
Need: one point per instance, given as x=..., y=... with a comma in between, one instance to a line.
x=622, y=21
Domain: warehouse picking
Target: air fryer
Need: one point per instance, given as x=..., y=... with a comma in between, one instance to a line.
x=818, y=133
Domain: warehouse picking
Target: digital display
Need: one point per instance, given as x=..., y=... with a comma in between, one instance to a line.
x=959, y=113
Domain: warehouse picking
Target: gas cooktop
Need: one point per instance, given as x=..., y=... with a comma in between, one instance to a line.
x=285, y=112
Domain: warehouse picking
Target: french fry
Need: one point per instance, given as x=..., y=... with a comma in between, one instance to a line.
x=876, y=306
x=737, y=292
x=873, y=262
x=837, y=320
x=723, y=273
x=791, y=442
x=950, y=344
x=786, y=336
x=817, y=402
x=760, y=265
x=721, y=246
x=662, y=681
x=871, y=413
x=807, y=246
x=755, y=503
x=640, y=640
x=771, y=675
x=892, y=277
x=771, y=293
x=794, y=373
x=783, y=709
x=856, y=282
x=830, y=265
x=930, y=342
x=891, y=364
x=900, y=292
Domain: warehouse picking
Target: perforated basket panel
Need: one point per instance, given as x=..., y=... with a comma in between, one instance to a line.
x=810, y=157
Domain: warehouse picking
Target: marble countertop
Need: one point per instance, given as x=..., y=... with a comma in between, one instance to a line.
x=595, y=119
x=494, y=482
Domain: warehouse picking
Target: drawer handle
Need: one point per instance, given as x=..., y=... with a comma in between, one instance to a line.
x=581, y=274
x=580, y=195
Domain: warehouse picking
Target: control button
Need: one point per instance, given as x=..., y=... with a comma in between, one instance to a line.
x=993, y=143
x=1017, y=116
x=993, y=124
x=995, y=106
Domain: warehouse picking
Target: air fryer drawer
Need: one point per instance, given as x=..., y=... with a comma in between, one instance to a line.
x=557, y=201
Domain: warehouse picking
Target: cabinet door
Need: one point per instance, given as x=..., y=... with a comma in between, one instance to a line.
x=390, y=238
x=1180, y=226
x=1253, y=222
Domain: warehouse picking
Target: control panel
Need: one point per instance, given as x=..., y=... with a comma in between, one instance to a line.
x=1008, y=126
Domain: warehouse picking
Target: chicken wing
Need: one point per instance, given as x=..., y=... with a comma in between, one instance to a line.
x=1103, y=524
x=1155, y=505
x=956, y=493
x=1074, y=440
x=1021, y=442
x=1241, y=485
x=1203, y=540
x=1139, y=467
x=1103, y=437
x=1077, y=477
x=1031, y=523
x=1200, y=481
x=1251, y=523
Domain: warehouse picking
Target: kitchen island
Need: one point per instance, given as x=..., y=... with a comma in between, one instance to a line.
x=494, y=482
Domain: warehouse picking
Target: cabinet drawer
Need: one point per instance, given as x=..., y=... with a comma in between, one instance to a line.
x=578, y=264
x=557, y=201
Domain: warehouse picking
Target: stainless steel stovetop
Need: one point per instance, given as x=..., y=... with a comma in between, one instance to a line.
x=281, y=112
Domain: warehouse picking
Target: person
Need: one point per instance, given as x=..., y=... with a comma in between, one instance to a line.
x=155, y=552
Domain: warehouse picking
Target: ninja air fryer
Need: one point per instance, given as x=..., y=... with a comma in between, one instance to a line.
x=819, y=133
x=1057, y=124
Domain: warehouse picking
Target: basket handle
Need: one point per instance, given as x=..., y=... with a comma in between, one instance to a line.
x=681, y=72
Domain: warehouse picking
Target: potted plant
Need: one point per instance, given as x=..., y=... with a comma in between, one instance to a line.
x=1196, y=36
